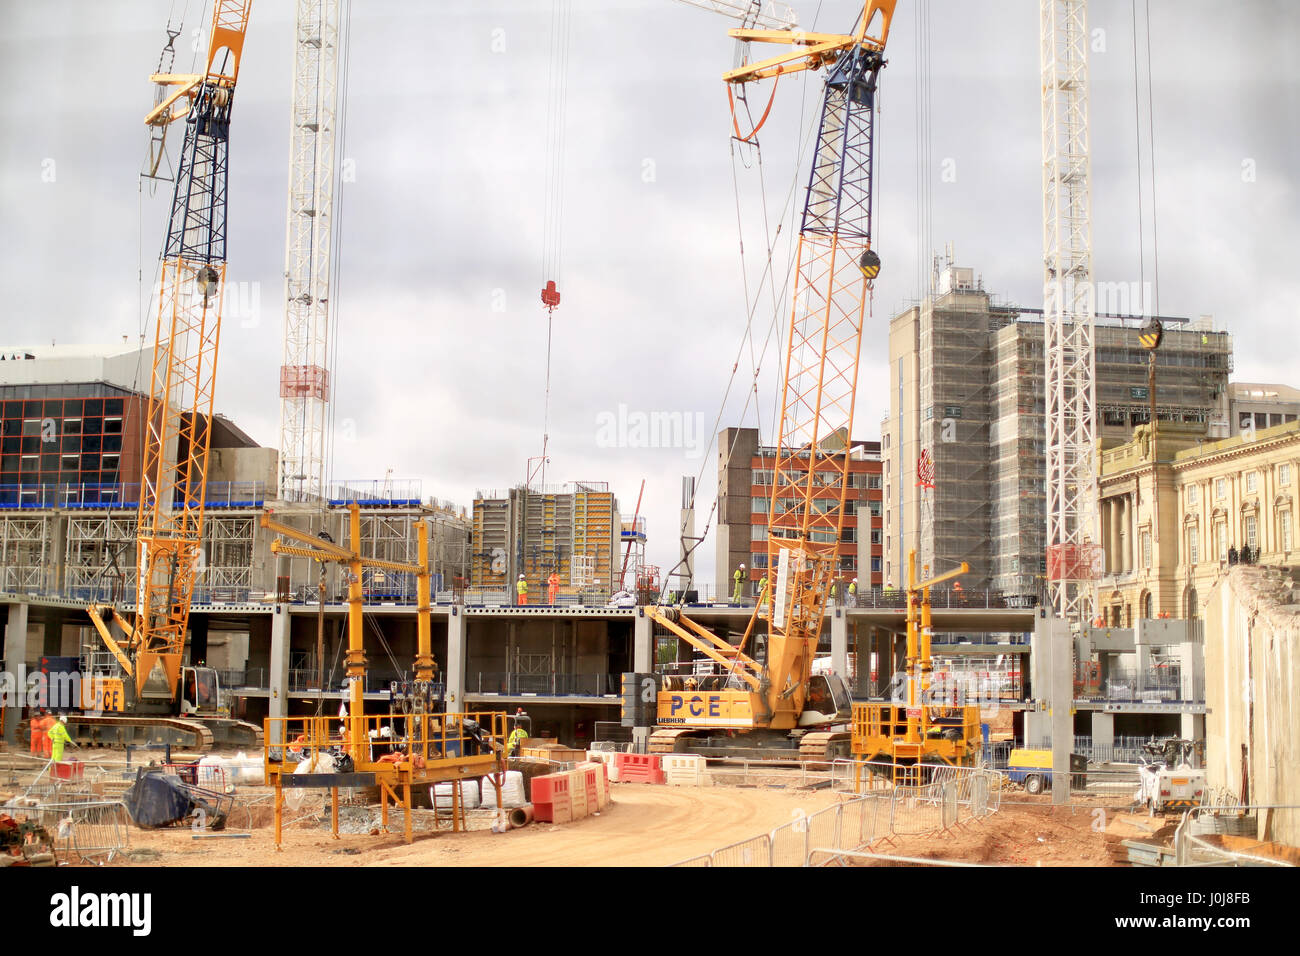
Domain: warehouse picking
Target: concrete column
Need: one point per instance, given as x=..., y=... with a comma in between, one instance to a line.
x=642, y=643
x=1052, y=666
x=840, y=642
x=15, y=665
x=457, y=628
x=278, y=681
x=1192, y=727
x=53, y=646
x=1103, y=730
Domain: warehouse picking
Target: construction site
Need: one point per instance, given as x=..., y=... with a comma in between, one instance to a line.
x=1045, y=616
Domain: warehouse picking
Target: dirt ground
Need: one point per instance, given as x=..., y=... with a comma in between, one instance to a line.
x=644, y=825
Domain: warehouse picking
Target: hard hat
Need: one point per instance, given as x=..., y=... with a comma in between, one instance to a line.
x=63, y=719
x=855, y=580
x=742, y=564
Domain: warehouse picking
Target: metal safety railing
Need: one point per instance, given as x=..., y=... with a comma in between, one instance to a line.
x=1227, y=835
x=510, y=684
x=88, y=831
x=954, y=795
x=383, y=738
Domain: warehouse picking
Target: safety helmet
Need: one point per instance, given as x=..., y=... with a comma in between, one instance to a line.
x=742, y=566
x=855, y=580
x=63, y=719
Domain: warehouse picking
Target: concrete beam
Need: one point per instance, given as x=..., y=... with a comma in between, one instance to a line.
x=15, y=661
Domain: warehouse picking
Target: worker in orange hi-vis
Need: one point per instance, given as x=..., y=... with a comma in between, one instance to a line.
x=552, y=588
x=40, y=740
x=48, y=722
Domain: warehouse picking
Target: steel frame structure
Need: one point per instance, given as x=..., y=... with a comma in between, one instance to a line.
x=1069, y=309
x=304, y=376
x=25, y=563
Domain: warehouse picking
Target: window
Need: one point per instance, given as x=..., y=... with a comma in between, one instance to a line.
x=763, y=477
x=758, y=560
x=849, y=534
x=1146, y=549
x=1221, y=538
x=758, y=505
x=873, y=481
x=758, y=532
x=1284, y=474
x=875, y=565
x=1252, y=531
x=875, y=536
x=1193, y=494
x=875, y=509
x=1193, y=544
x=1220, y=488
x=1252, y=480
x=1284, y=529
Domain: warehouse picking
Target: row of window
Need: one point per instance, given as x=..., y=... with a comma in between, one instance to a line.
x=1250, y=480
x=859, y=480
x=1284, y=538
x=820, y=506
x=758, y=559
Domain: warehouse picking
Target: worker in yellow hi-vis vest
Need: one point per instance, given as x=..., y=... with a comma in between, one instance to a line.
x=762, y=589
x=60, y=738
x=521, y=588
x=739, y=578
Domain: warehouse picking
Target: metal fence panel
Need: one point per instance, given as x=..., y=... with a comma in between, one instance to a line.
x=916, y=810
x=790, y=843
x=824, y=829
x=84, y=832
x=756, y=851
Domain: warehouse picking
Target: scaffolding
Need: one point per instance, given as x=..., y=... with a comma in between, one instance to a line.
x=228, y=558
x=25, y=544
x=100, y=557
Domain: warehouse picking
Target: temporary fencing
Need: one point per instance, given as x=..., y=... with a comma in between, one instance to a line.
x=82, y=832
x=953, y=795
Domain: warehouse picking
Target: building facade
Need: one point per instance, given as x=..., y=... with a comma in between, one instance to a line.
x=1171, y=531
x=746, y=470
x=966, y=393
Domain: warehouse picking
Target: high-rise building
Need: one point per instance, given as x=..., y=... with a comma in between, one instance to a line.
x=966, y=391
x=574, y=531
x=746, y=471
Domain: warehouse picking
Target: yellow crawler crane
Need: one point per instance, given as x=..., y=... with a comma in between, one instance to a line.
x=413, y=745
x=770, y=700
x=909, y=736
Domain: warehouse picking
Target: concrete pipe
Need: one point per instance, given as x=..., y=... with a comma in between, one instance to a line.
x=521, y=816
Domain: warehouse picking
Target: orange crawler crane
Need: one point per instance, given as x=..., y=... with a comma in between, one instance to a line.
x=137, y=688
x=768, y=701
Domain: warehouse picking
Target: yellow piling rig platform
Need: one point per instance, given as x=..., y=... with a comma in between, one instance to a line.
x=395, y=753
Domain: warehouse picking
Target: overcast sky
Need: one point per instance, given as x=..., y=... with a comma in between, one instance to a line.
x=442, y=336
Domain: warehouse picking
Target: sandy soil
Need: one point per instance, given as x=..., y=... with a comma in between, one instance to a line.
x=645, y=825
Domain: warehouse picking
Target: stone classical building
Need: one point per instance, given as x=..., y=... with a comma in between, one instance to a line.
x=1169, y=530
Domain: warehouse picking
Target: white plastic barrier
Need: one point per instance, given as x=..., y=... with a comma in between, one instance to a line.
x=607, y=758
x=469, y=795
x=685, y=770
x=512, y=792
